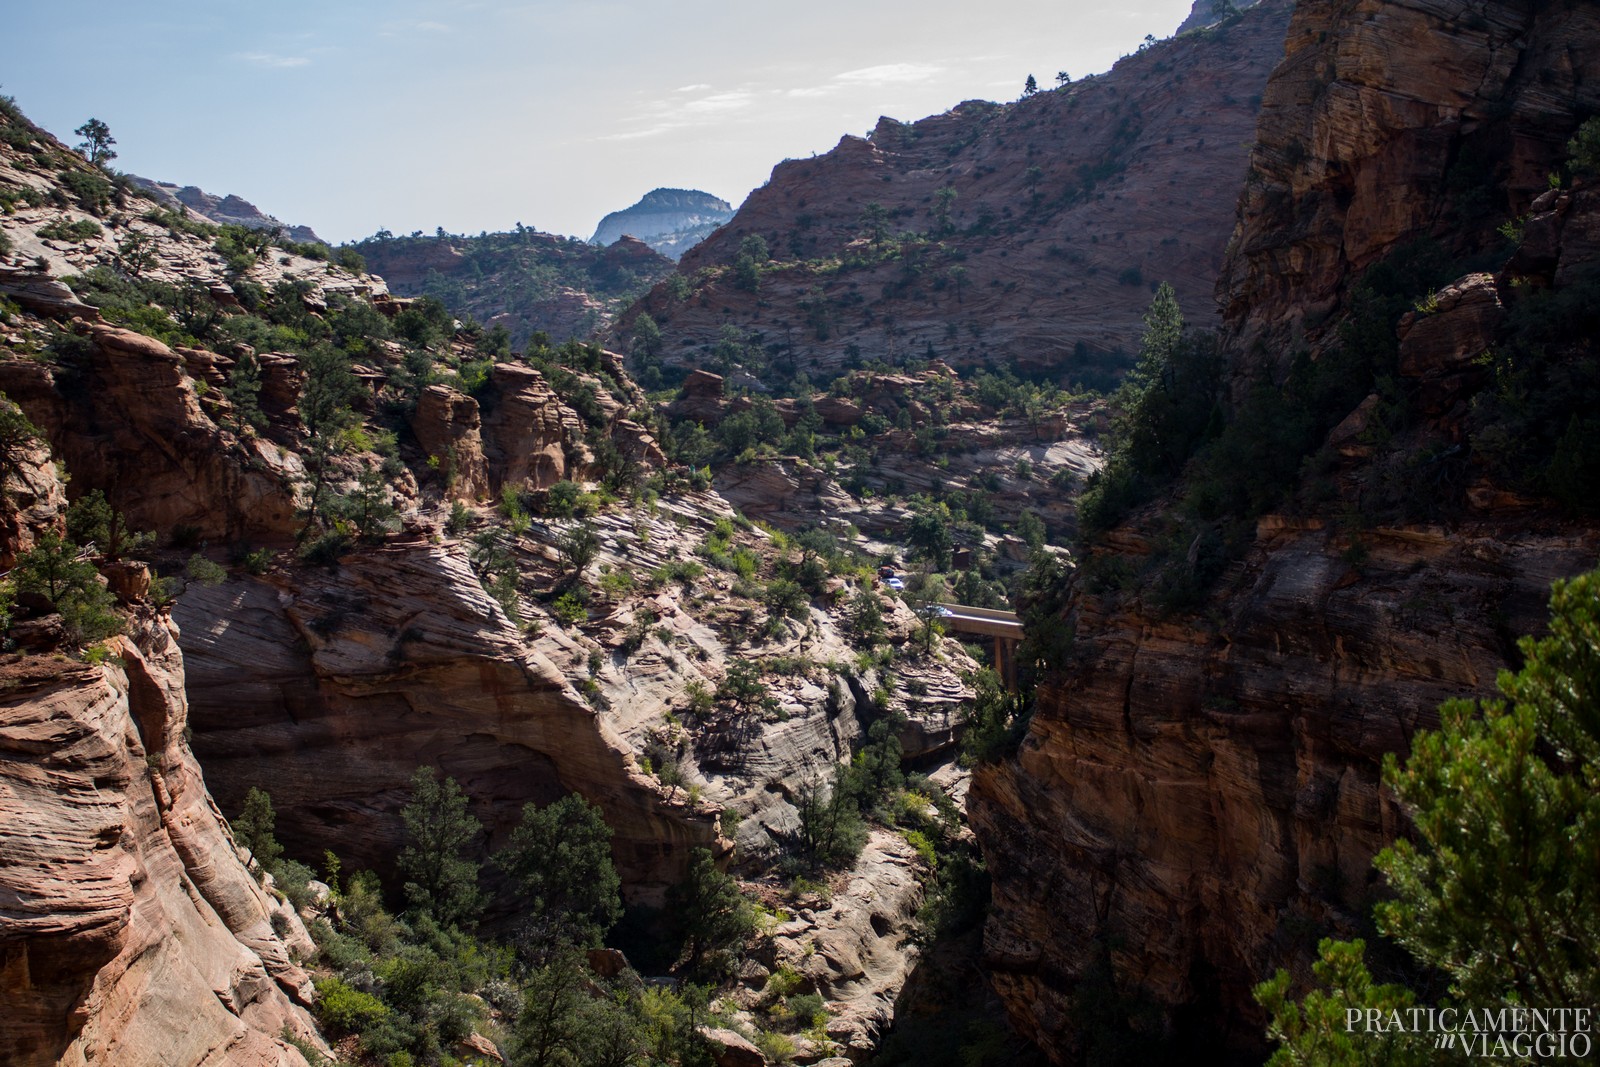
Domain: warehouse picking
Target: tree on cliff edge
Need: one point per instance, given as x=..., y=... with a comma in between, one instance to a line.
x=1500, y=893
x=97, y=142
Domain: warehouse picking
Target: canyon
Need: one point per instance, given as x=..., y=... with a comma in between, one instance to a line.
x=331, y=684
x=652, y=568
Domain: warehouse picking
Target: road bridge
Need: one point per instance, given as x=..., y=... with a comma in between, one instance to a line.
x=1003, y=626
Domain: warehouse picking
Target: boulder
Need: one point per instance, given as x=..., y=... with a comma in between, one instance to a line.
x=731, y=1049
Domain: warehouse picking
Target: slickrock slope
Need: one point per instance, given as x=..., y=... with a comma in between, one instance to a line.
x=1068, y=207
x=332, y=690
x=1197, y=798
x=671, y=221
x=130, y=932
x=525, y=280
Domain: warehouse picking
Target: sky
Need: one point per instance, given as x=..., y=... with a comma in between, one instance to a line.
x=351, y=116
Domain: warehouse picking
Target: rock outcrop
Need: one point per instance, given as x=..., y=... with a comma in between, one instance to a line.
x=1198, y=796
x=1393, y=121
x=132, y=933
x=1068, y=206
x=671, y=221
x=129, y=417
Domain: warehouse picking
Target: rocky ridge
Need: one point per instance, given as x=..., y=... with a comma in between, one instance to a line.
x=132, y=932
x=224, y=209
x=1076, y=199
x=527, y=281
x=1197, y=791
x=341, y=681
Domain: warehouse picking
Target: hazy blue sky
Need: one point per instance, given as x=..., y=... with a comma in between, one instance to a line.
x=351, y=115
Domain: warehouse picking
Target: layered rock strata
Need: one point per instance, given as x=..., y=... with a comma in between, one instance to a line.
x=1066, y=208
x=130, y=931
x=1199, y=795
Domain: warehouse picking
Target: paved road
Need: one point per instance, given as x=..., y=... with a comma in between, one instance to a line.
x=986, y=621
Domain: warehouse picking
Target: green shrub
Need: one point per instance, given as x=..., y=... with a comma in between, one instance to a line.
x=205, y=571
x=51, y=569
x=569, y=609
x=346, y=1010
x=294, y=881
x=62, y=230
x=1584, y=148
x=562, y=499
x=92, y=189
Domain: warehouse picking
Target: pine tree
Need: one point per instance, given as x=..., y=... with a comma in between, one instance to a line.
x=97, y=142
x=712, y=917
x=253, y=829
x=441, y=880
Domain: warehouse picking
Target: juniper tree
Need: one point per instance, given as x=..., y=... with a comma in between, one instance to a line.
x=97, y=142
x=710, y=915
x=560, y=857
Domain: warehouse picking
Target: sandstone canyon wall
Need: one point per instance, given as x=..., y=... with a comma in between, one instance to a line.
x=130, y=931
x=1198, y=795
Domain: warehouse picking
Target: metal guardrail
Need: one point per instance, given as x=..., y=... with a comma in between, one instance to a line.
x=989, y=614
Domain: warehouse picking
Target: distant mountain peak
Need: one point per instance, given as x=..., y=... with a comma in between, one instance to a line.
x=669, y=220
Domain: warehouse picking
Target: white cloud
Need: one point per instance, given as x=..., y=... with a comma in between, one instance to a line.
x=888, y=74
x=698, y=88
x=883, y=75
x=719, y=103
x=270, y=59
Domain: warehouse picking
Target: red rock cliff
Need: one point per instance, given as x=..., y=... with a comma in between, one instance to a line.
x=1198, y=796
x=130, y=931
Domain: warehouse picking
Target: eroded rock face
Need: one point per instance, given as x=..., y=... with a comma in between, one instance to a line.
x=1196, y=793
x=132, y=932
x=527, y=429
x=855, y=951
x=447, y=424
x=1393, y=120
x=230, y=209
x=129, y=419
x=1195, y=799
x=344, y=683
